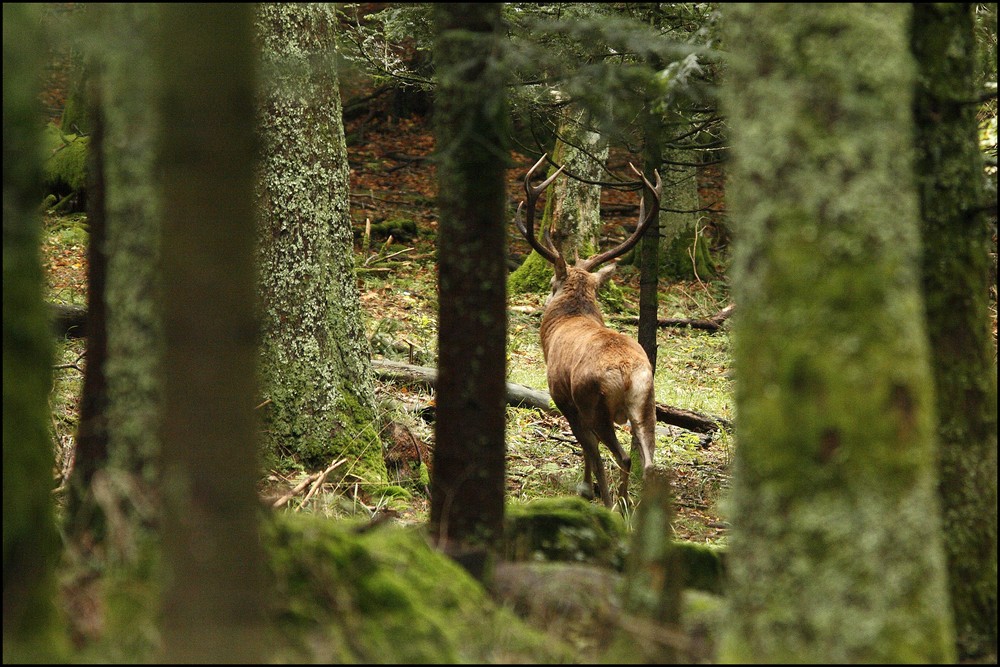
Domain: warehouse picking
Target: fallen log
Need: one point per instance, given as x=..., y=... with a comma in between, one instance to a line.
x=711, y=324
x=520, y=396
x=68, y=321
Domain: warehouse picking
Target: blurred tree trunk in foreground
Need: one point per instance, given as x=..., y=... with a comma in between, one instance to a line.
x=467, y=486
x=213, y=608
x=836, y=551
x=956, y=275
x=30, y=542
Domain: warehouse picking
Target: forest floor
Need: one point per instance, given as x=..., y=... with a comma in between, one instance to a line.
x=393, y=182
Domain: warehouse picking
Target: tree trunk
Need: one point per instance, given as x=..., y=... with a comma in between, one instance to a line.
x=315, y=359
x=133, y=324
x=684, y=250
x=956, y=275
x=84, y=518
x=30, y=542
x=215, y=594
x=468, y=477
x=649, y=249
x=836, y=549
x=574, y=207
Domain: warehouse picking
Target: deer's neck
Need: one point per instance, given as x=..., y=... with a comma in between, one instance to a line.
x=575, y=299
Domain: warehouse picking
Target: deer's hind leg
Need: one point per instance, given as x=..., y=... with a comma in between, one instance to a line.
x=605, y=430
x=592, y=463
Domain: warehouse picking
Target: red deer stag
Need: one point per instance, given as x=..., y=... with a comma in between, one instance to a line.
x=597, y=377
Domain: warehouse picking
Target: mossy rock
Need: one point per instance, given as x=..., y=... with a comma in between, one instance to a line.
x=65, y=167
x=385, y=595
x=703, y=564
x=566, y=528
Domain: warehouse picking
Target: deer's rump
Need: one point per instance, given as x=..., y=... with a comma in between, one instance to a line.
x=598, y=367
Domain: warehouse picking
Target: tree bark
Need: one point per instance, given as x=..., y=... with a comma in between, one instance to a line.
x=84, y=518
x=468, y=477
x=835, y=554
x=214, y=601
x=314, y=359
x=30, y=541
x=956, y=277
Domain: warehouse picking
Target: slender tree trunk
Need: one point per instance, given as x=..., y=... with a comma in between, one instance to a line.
x=30, y=541
x=213, y=605
x=134, y=336
x=836, y=549
x=956, y=276
x=315, y=359
x=468, y=477
x=649, y=250
x=84, y=517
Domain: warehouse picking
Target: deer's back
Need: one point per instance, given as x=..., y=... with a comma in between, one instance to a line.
x=586, y=362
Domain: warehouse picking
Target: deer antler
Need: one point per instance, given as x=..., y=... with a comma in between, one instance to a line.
x=644, y=221
x=548, y=251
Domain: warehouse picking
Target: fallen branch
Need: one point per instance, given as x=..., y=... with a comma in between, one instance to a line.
x=316, y=480
x=521, y=396
x=518, y=395
x=712, y=324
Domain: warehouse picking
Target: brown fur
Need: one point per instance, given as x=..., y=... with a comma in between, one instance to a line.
x=597, y=377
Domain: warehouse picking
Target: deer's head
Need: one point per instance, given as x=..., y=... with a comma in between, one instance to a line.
x=581, y=280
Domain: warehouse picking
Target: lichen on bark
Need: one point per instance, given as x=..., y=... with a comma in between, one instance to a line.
x=315, y=359
x=836, y=551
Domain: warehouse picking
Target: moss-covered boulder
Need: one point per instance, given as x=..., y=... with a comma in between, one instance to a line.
x=566, y=528
x=346, y=594
x=65, y=167
x=703, y=564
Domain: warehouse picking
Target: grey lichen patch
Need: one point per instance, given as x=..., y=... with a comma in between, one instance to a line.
x=314, y=355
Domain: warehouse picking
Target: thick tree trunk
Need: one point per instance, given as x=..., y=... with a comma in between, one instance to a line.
x=573, y=206
x=215, y=596
x=956, y=275
x=576, y=206
x=132, y=322
x=315, y=360
x=836, y=549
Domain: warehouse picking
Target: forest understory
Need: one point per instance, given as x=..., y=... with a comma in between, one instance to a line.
x=393, y=187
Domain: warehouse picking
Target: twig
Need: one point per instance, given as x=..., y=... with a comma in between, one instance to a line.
x=319, y=482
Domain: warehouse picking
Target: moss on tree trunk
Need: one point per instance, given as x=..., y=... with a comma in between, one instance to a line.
x=315, y=360
x=836, y=548
x=956, y=275
x=30, y=542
